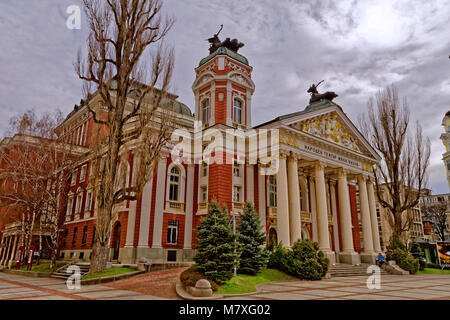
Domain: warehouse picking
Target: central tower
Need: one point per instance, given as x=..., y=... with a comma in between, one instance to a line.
x=223, y=88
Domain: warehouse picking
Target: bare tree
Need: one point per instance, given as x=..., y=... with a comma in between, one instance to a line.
x=437, y=214
x=405, y=155
x=121, y=31
x=33, y=172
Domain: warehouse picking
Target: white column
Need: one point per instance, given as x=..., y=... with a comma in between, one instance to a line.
x=144, y=225
x=5, y=253
x=304, y=191
x=131, y=221
x=345, y=213
x=2, y=250
x=282, y=203
x=13, y=254
x=322, y=215
x=294, y=201
x=189, y=206
x=334, y=214
x=159, y=203
x=312, y=186
x=373, y=217
x=262, y=198
x=365, y=215
x=249, y=184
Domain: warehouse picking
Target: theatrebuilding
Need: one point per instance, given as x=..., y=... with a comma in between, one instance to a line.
x=321, y=158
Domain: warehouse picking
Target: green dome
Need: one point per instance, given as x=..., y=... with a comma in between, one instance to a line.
x=178, y=107
x=225, y=51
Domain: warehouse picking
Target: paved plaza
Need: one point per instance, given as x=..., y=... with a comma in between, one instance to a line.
x=413, y=287
x=16, y=287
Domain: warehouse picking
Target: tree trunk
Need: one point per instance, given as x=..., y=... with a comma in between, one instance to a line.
x=53, y=259
x=99, y=257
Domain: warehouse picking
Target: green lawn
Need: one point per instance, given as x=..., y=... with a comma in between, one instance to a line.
x=433, y=271
x=108, y=273
x=43, y=267
x=246, y=283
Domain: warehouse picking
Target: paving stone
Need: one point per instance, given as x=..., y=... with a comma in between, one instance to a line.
x=286, y=296
x=325, y=293
x=108, y=294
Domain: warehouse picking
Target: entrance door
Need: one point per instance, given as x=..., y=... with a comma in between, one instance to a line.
x=117, y=229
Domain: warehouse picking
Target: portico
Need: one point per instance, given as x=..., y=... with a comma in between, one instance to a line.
x=316, y=185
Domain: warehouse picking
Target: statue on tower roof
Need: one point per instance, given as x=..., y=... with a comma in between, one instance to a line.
x=233, y=45
x=316, y=96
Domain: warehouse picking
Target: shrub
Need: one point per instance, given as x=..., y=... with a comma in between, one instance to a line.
x=190, y=277
x=405, y=260
x=277, y=253
x=394, y=243
x=306, y=261
x=417, y=253
x=254, y=256
x=396, y=250
x=433, y=265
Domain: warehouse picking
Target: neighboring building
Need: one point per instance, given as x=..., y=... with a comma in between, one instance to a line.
x=428, y=199
x=445, y=137
x=16, y=158
x=416, y=228
x=323, y=158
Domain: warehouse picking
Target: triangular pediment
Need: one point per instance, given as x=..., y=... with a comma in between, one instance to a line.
x=334, y=126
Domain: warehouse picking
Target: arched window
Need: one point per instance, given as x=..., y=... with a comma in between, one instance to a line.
x=174, y=184
x=205, y=110
x=237, y=111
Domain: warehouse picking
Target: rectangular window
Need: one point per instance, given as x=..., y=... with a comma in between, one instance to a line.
x=73, y=181
x=88, y=202
x=69, y=207
x=83, y=173
x=172, y=232
x=93, y=236
x=236, y=169
x=203, y=194
x=83, y=240
x=237, y=111
x=74, y=238
x=78, y=203
x=272, y=191
x=205, y=110
x=237, y=194
x=204, y=169
x=66, y=233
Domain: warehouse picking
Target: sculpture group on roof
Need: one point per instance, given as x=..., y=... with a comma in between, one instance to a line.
x=316, y=96
x=234, y=45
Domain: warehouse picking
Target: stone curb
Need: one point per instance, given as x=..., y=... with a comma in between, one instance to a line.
x=110, y=278
x=28, y=273
x=185, y=295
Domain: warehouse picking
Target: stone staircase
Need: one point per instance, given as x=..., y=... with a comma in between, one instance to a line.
x=347, y=270
x=62, y=273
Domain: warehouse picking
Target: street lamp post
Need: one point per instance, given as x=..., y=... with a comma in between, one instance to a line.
x=234, y=214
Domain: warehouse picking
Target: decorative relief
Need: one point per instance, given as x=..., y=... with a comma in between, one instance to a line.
x=330, y=128
x=235, y=67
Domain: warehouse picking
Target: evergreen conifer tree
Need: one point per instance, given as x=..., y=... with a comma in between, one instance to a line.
x=254, y=256
x=216, y=254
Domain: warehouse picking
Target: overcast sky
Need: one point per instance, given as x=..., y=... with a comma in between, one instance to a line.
x=357, y=47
